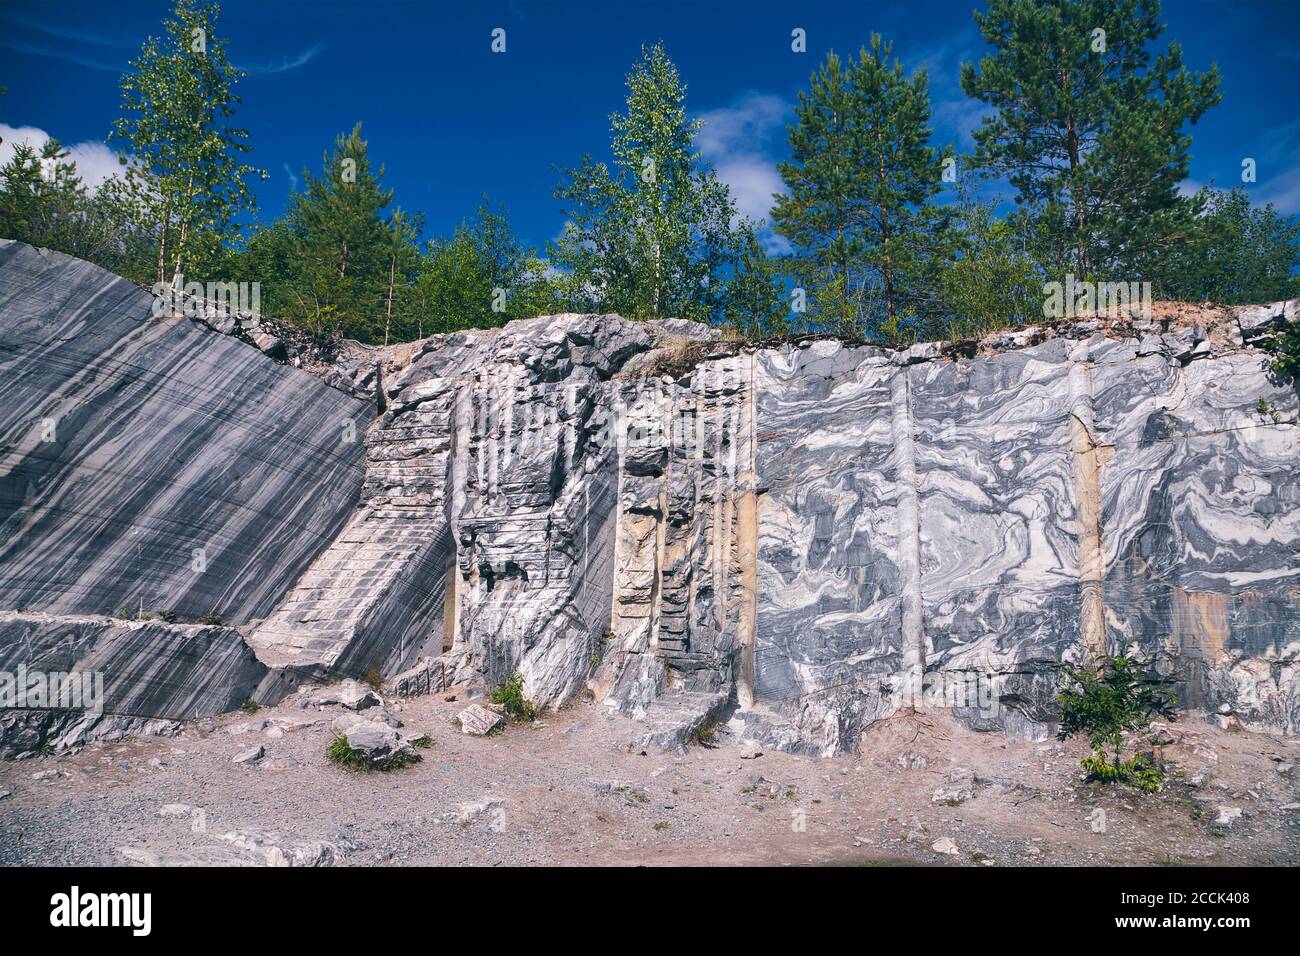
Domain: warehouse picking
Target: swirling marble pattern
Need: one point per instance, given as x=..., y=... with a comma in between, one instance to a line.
x=829, y=610
x=813, y=533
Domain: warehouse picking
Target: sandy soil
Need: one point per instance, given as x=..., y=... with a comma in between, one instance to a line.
x=565, y=791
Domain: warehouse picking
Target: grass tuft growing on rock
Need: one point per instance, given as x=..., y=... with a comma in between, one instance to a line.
x=706, y=735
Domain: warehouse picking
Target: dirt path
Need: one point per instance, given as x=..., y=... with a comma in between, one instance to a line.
x=564, y=792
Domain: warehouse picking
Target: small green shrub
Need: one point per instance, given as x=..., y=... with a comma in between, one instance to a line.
x=706, y=735
x=211, y=618
x=509, y=696
x=249, y=707
x=339, y=752
x=1118, y=695
x=1285, y=348
x=167, y=617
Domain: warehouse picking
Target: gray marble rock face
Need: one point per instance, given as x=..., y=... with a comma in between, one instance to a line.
x=943, y=531
x=144, y=669
x=798, y=540
x=155, y=463
x=1201, y=503
x=487, y=514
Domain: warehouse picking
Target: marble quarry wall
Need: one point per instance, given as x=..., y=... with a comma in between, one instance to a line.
x=797, y=540
x=153, y=463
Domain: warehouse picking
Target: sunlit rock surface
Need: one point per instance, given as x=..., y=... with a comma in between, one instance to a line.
x=155, y=464
x=798, y=540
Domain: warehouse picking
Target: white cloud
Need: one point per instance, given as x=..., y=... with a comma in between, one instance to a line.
x=739, y=141
x=285, y=64
x=1282, y=191
x=95, y=161
x=954, y=115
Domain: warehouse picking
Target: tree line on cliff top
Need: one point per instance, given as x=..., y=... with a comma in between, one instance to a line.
x=1087, y=122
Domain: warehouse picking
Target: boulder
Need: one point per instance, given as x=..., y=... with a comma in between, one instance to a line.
x=1227, y=816
x=378, y=742
x=960, y=787
x=250, y=756
x=479, y=721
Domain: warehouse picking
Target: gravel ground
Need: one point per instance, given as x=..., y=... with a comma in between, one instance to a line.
x=922, y=790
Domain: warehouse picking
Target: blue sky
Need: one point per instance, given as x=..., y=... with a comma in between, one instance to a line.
x=450, y=120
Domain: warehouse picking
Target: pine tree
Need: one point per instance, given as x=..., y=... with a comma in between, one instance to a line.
x=1089, y=127
x=43, y=201
x=905, y=236
x=818, y=213
x=652, y=236
x=860, y=183
x=186, y=177
x=403, y=266
x=343, y=244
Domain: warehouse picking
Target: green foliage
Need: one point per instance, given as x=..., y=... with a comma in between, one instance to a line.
x=1235, y=254
x=185, y=181
x=651, y=236
x=755, y=304
x=1136, y=771
x=43, y=201
x=992, y=283
x=1120, y=694
x=860, y=180
x=479, y=277
x=509, y=696
x=1094, y=142
x=1285, y=347
x=341, y=754
x=211, y=618
x=1091, y=138
x=340, y=244
x=249, y=707
x=706, y=734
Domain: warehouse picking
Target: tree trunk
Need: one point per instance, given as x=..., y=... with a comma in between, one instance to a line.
x=162, y=250
x=1080, y=216
x=884, y=230
x=388, y=319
